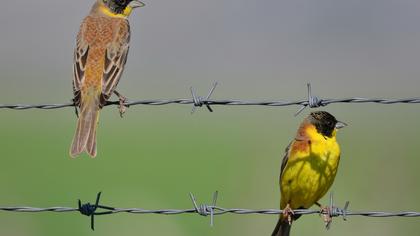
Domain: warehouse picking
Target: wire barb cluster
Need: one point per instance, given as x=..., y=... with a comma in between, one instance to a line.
x=200, y=101
x=197, y=101
x=91, y=210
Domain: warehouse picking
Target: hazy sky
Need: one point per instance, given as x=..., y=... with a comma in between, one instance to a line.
x=254, y=48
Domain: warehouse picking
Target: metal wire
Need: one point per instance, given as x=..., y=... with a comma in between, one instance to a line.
x=197, y=101
x=211, y=210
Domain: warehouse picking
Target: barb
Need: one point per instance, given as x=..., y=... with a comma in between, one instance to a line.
x=90, y=210
x=205, y=210
x=197, y=101
x=313, y=101
x=208, y=210
x=200, y=101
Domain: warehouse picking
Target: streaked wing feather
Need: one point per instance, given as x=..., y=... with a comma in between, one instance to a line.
x=116, y=57
x=114, y=67
x=79, y=62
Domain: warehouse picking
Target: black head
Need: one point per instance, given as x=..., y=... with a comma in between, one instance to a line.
x=118, y=6
x=324, y=122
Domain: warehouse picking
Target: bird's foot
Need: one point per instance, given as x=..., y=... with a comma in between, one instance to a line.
x=122, y=100
x=288, y=214
x=326, y=216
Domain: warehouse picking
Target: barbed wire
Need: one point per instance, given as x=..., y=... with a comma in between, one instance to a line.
x=198, y=101
x=211, y=210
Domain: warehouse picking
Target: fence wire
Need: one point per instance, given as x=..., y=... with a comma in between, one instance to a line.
x=198, y=101
x=212, y=210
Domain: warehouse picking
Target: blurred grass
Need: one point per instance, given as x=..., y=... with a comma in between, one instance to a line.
x=155, y=156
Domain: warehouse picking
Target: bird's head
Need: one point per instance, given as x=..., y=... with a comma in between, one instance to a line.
x=325, y=123
x=120, y=7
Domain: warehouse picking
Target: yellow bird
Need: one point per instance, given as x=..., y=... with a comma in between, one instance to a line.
x=309, y=167
x=99, y=60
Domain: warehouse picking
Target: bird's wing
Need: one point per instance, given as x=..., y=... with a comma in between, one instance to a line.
x=285, y=158
x=299, y=142
x=79, y=62
x=115, y=59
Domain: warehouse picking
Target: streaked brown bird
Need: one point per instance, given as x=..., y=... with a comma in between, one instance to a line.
x=99, y=58
x=309, y=167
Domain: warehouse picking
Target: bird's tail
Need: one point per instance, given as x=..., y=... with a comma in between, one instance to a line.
x=85, y=136
x=282, y=228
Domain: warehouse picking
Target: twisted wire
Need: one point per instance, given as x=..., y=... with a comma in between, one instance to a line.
x=217, y=211
x=198, y=101
x=212, y=210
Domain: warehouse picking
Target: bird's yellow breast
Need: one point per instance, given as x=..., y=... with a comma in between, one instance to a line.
x=310, y=170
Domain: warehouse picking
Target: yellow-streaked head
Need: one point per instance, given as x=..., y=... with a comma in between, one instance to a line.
x=325, y=123
x=119, y=8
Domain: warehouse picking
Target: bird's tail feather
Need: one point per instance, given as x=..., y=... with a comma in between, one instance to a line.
x=282, y=228
x=85, y=136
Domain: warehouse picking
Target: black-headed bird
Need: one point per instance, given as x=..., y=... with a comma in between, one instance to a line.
x=99, y=59
x=309, y=167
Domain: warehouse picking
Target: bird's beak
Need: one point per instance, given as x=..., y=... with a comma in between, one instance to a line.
x=340, y=125
x=136, y=3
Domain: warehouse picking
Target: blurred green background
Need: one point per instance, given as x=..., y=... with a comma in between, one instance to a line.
x=155, y=156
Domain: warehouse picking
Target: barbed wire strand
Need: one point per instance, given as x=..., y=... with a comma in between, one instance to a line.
x=198, y=101
x=91, y=210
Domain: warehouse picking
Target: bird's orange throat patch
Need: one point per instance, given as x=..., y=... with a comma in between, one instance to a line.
x=306, y=136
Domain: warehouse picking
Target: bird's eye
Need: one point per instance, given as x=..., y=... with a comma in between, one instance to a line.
x=123, y=2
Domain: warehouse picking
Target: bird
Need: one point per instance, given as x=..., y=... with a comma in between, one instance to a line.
x=100, y=56
x=309, y=167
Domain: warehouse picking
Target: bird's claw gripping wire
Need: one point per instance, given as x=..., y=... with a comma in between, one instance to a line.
x=288, y=214
x=122, y=107
x=205, y=210
x=326, y=215
x=200, y=101
x=89, y=210
x=313, y=101
x=328, y=212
